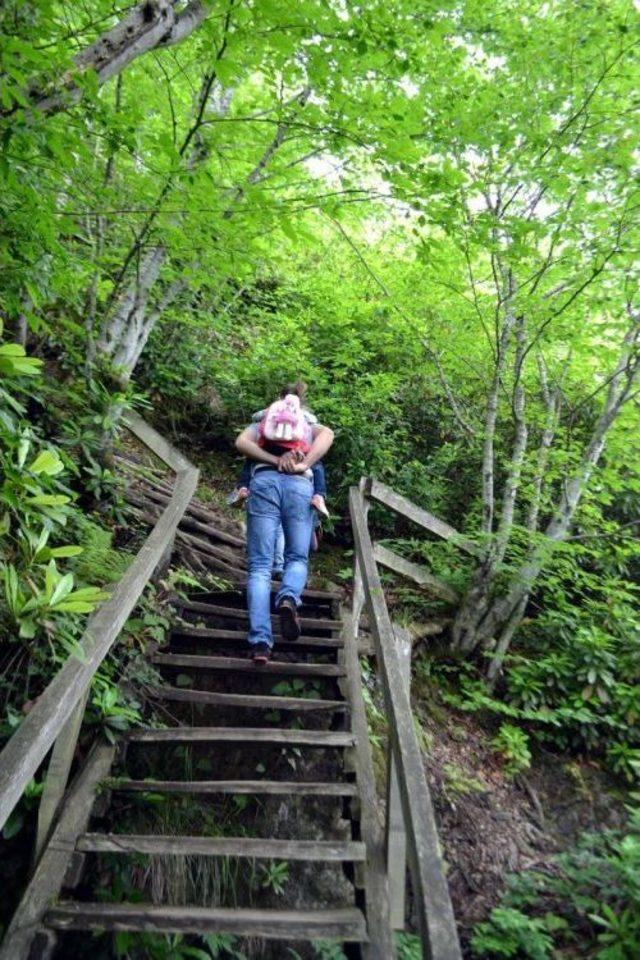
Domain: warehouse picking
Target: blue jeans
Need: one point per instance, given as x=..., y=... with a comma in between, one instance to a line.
x=278, y=552
x=276, y=499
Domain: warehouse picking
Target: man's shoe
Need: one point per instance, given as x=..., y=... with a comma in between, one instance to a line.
x=261, y=654
x=289, y=620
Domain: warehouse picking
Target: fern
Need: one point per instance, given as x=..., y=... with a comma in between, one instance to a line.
x=99, y=562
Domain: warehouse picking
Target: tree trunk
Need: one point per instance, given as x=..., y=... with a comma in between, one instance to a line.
x=500, y=616
x=149, y=26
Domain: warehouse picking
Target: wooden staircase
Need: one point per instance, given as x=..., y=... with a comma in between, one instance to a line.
x=272, y=832
x=253, y=740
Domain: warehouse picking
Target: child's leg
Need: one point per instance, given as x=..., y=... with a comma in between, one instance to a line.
x=240, y=493
x=245, y=476
x=319, y=489
x=319, y=478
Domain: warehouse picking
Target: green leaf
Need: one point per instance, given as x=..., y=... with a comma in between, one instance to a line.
x=48, y=500
x=13, y=825
x=63, y=587
x=68, y=551
x=47, y=462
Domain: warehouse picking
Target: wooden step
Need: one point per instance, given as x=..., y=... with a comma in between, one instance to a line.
x=300, y=738
x=273, y=787
x=237, y=665
x=324, y=851
x=342, y=924
x=240, y=636
x=308, y=594
x=248, y=701
x=233, y=613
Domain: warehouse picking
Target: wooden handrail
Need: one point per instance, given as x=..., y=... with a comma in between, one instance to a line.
x=29, y=745
x=386, y=495
x=438, y=931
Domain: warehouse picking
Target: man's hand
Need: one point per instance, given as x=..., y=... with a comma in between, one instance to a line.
x=291, y=462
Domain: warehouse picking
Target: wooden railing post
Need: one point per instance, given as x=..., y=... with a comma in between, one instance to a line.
x=57, y=777
x=358, y=586
x=396, y=837
x=438, y=933
x=360, y=761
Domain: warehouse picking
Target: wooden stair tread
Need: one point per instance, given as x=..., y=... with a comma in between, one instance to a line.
x=240, y=636
x=238, y=665
x=236, y=613
x=326, y=851
x=309, y=738
x=308, y=594
x=346, y=923
x=275, y=787
x=249, y=701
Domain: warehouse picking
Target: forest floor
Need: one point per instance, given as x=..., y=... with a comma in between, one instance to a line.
x=492, y=825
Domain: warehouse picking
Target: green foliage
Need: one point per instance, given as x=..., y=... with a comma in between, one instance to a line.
x=588, y=902
x=29, y=801
x=510, y=933
x=408, y=946
x=274, y=875
x=513, y=744
x=99, y=560
x=328, y=950
x=38, y=598
x=147, y=946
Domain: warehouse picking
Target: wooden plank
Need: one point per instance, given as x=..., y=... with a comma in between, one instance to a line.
x=343, y=924
x=396, y=837
x=380, y=946
x=29, y=745
x=248, y=701
x=233, y=613
x=307, y=594
x=240, y=636
x=49, y=873
x=324, y=851
x=156, y=442
x=384, y=494
x=414, y=571
x=307, y=738
x=203, y=546
x=208, y=520
x=237, y=665
x=438, y=931
x=273, y=787
x=57, y=777
x=189, y=523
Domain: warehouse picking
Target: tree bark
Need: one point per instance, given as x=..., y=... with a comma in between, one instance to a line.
x=149, y=26
x=502, y=616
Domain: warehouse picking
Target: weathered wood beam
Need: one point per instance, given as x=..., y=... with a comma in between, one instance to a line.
x=49, y=873
x=396, y=835
x=344, y=924
x=438, y=931
x=257, y=787
x=414, y=571
x=324, y=851
x=305, y=738
x=395, y=501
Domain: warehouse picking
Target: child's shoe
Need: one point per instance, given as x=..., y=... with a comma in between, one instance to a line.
x=237, y=497
x=317, y=502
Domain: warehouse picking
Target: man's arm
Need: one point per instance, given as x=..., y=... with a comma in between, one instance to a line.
x=246, y=445
x=322, y=440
